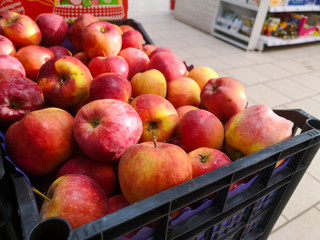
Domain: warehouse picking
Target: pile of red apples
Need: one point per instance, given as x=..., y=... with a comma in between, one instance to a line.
x=114, y=119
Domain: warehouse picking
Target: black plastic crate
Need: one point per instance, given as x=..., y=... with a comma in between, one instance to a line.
x=248, y=212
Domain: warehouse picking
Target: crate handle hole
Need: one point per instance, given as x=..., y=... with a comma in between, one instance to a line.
x=52, y=228
x=314, y=123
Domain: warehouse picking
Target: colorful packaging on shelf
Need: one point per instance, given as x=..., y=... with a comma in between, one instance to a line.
x=247, y=25
x=296, y=2
x=226, y=19
x=309, y=2
x=69, y=9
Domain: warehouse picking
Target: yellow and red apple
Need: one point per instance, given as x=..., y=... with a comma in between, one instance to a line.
x=45, y=140
x=32, y=58
x=64, y=81
x=76, y=198
x=21, y=30
x=253, y=129
x=148, y=168
x=202, y=75
x=183, y=91
x=149, y=82
x=159, y=117
x=101, y=39
x=6, y=46
x=206, y=159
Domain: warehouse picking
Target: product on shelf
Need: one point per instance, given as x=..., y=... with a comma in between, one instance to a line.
x=254, y=2
x=236, y=25
x=227, y=18
x=247, y=25
x=291, y=25
x=296, y=2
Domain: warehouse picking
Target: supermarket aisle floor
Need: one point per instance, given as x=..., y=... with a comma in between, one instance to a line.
x=283, y=78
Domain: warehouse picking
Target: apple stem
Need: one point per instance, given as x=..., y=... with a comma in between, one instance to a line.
x=130, y=100
x=40, y=194
x=104, y=54
x=214, y=88
x=10, y=16
x=154, y=139
x=203, y=159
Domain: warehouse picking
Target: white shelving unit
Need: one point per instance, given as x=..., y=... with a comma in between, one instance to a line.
x=255, y=40
x=242, y=8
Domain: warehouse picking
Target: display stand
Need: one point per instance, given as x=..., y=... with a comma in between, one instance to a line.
x=205, y=14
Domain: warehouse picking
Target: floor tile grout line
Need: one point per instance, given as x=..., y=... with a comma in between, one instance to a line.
x=299, y=99
x=293, y=101
x=311, y=175
x=296, y=217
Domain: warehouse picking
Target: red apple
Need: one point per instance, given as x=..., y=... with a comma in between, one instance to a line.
x=22, y=30
x=224, y=97
x=159, y=50
x=53, y=28
x=18, y=97
x=132, y=38
x=105, y=128
x=76, y=28
x=205, y=159
x=6, y=46
x=148, y=48
x=255, y=128
x=64, y=81
x=32, y=58
x=125, y=27
x=83, y=58
x=149, y=168
x=171, y=66
x=200, y=128
x=103, y=174
x=60, y=51
x=117, y=202
x=116, y=64
x=183, y=91
x=11, y=67
x=137, y=60
x=184, y=109
x=101, y=39
x=45, y=140
x=158, y=115
x=110, y=85
x=76, y=198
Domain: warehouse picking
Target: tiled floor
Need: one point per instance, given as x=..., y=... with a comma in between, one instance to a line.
x=285, y=78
